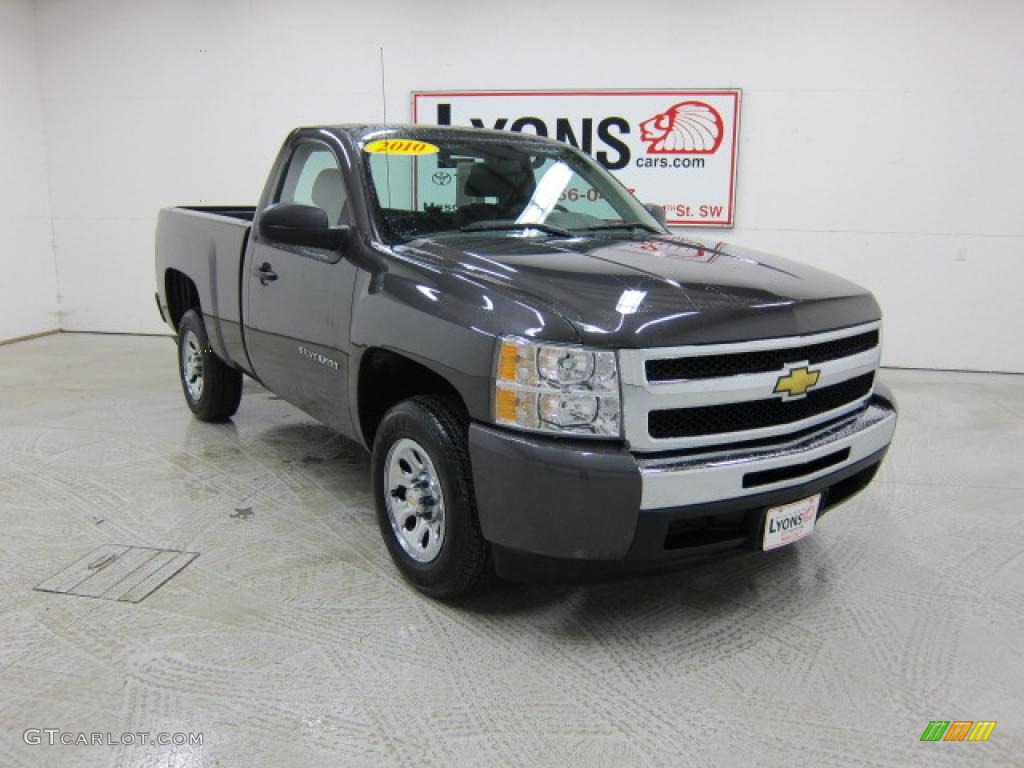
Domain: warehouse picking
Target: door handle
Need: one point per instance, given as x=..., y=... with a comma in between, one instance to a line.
x=266, y=273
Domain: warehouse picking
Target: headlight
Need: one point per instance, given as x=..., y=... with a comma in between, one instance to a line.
x=556, y=388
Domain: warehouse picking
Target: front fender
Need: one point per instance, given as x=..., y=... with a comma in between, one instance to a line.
x=446, y=322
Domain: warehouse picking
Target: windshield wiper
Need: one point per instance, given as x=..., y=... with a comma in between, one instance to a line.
x=497, y=226
x=599, y=227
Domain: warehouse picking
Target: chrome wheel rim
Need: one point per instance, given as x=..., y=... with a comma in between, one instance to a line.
x=192, y=365
x=415, y=503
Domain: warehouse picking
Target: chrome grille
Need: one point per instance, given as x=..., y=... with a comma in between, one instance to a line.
x=738, y=363
x=703, y=395
x=755, y=414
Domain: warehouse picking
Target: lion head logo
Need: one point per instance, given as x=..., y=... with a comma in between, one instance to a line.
x=687, y=128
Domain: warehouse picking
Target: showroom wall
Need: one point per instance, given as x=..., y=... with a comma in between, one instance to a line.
x=28, y=278
x=878, y=139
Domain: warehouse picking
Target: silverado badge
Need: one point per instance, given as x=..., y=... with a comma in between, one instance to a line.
x=796, y=382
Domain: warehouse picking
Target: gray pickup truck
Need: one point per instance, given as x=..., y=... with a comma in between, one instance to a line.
x=547, y=378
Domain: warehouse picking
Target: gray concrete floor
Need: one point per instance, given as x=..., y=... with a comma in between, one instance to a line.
x=290, y=641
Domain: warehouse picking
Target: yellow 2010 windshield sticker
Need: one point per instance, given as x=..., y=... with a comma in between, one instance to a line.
x=400, y=147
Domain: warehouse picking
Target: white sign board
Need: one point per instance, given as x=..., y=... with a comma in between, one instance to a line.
x=673, y=148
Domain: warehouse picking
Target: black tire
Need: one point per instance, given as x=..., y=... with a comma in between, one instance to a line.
x=438, y=424
x=220, y=386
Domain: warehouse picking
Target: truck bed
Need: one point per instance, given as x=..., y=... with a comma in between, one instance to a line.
x=243, y=212
x=207, y=243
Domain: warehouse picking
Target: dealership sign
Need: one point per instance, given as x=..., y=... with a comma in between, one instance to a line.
x=673, y=148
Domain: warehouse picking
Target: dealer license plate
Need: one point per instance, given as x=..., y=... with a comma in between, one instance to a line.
x=790, y=522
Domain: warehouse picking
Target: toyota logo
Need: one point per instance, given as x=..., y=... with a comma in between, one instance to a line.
x=442, y=178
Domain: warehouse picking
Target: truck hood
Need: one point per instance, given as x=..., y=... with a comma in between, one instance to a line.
x=659, y=290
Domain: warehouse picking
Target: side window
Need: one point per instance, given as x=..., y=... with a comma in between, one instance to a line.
x=314, y=178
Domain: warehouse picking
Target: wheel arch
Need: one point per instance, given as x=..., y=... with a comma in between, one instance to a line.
x=387, y=377
x=182, y=295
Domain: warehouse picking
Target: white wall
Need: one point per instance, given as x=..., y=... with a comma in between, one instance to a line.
x=28, y=279
x=879, y=139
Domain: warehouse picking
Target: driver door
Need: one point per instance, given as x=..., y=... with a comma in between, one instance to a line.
x=299, y=299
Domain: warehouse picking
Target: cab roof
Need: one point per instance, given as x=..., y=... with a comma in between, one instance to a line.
x=359, y=132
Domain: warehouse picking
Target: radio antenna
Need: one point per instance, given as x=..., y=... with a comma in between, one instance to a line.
x=384, y=100
x=383, y=90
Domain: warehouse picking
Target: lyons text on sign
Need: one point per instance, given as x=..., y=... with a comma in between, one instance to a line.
x=673, y=148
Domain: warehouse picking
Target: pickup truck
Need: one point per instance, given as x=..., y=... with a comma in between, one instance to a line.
x=547, y=378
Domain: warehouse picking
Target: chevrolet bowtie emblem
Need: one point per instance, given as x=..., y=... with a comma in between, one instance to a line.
x=796, y=382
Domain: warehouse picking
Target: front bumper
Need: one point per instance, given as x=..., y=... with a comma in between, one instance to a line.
x=547, y=500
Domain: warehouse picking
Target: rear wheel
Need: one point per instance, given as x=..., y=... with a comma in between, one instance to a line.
x=426, y=507
x=212, y=388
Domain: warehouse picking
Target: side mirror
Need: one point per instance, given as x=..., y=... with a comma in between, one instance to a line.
x=656, y=211
x=297, y=224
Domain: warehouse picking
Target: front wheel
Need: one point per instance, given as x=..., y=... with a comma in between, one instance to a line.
x=426, y=507
x=212, y=388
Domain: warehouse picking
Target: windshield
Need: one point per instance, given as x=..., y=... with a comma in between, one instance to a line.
x=495, y=187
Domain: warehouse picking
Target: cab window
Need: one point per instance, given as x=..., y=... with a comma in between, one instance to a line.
x=314, y=178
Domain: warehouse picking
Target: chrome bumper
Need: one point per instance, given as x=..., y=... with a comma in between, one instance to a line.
x=715, y=475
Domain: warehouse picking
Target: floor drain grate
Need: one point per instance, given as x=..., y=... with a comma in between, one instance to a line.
x=116, y=572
